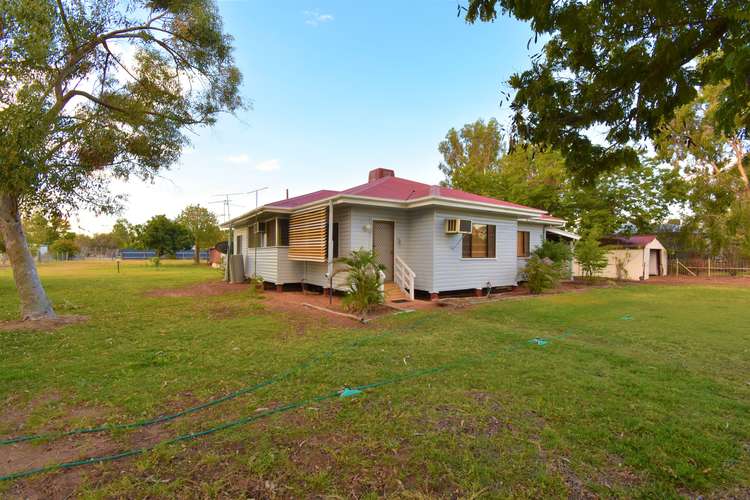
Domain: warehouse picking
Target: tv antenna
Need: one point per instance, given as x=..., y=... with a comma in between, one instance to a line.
x=227, y=201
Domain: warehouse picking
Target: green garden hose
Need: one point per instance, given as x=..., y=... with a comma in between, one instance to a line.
x=346, y=392
x=194, y=409
x=227, y=425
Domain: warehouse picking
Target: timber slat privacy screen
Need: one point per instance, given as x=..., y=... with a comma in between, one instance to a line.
x=308, y=235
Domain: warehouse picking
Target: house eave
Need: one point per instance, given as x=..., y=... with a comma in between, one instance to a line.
x=424, y=201
x=473, y=205
x=254, y=213
x=547, y=222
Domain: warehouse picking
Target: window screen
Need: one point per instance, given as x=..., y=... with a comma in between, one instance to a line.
x=284, y=232
x=271, y=233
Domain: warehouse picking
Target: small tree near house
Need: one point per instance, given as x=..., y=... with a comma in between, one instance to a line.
x=591, y=256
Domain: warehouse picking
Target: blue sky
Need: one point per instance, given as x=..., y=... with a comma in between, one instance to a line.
x=337, y=88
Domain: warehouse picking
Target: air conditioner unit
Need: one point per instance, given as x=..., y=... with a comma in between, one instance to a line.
x=457, y=226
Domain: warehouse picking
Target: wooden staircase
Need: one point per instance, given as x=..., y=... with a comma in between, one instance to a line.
x=394, y=294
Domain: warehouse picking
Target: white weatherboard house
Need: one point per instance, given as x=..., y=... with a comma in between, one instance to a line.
x=431, y=239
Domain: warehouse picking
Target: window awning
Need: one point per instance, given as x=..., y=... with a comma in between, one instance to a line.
x=308, y=235
x=564, y=234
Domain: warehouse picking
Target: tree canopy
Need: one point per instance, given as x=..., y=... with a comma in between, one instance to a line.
x=97, y=90
x=623, y=67
x=715, y=166
x=44, y=230
x=202, y=225
x=627, y=197
x=165, y=236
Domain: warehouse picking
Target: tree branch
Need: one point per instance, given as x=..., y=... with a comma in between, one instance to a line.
x=184, y=120
x=64, y=19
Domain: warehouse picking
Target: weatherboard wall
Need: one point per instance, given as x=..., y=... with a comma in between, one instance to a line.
x=536, y=236
x=413, y=237
x=421, y=246
x=454, y=272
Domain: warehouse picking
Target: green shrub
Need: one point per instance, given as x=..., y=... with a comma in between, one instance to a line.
x=64, y=249
x=363, y=281
x=156, y=261
x=591, y=256
x=557, y=251
x=541, y=274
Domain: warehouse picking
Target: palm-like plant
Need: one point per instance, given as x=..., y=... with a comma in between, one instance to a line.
x=364, y=280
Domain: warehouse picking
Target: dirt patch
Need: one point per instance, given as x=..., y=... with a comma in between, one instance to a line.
x=577, y=488
x=209, y=289
x=64, y=483
x=224, y=311
x=41, y=325
x=611, y=475
x=291, y=304
x=15, y=413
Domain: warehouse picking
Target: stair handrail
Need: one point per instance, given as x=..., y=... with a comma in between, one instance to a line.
x=403, y=276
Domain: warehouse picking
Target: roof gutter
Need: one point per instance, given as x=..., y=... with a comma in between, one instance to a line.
x=254, y=213
x=549, y=222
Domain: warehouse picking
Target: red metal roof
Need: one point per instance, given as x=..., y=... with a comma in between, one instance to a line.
x=301, y=200
x=398, y=189
x=551, y=218
x=636, y=240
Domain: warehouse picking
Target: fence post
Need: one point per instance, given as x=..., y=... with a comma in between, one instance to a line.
x=677, y=267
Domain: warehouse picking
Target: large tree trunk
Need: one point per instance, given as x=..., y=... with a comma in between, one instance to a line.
x=34, y=301
x=197, y=256
x=739, y=153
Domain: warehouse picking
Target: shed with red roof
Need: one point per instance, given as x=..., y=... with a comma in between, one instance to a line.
x=633, y=257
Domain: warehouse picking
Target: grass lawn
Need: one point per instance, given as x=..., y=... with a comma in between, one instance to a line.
x=657, y=405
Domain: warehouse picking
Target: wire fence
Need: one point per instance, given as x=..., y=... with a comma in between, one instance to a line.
x=106, y=254
x=710, y=266
x=149, y=254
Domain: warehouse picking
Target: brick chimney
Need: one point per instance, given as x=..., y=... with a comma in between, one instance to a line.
x=379, y=173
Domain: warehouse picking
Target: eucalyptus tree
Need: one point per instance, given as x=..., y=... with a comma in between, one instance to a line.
x=715, y=164
x=96, y=90
x=639, y=195
x=622, y=68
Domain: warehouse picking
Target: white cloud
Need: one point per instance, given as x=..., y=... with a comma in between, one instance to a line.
x=237, y=159
x=268, y=165
x=314, y=17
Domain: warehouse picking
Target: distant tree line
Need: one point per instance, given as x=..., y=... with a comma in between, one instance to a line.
x=196, y=227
